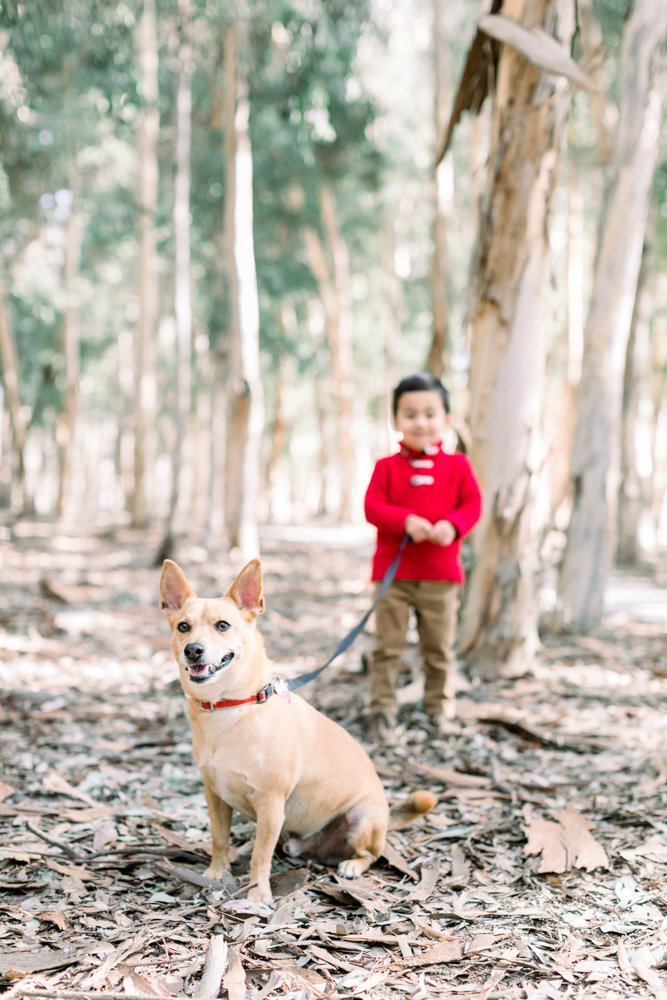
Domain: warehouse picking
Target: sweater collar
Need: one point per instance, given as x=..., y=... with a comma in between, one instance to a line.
x=430, y=450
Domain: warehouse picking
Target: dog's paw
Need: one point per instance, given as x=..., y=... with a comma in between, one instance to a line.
x=352, y=867
x=260, y=894
x=215, y=872
x=293, y=847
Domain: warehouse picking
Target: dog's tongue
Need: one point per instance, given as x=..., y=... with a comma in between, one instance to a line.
x=199, y=669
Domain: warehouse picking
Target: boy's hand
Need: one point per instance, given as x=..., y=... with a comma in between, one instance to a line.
x=442, y=533
x=418, y=528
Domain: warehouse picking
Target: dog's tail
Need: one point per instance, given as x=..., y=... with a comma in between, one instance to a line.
x=403, y=813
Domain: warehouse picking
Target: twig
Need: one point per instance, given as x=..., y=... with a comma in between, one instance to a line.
x=185, y=875
x=61, y=845
x=147, y=852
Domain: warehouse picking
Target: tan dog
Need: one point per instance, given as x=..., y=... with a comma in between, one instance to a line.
x=269, y=754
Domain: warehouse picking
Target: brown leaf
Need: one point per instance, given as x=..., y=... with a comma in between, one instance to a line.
x=16, y=964
x=328, y=959
x=429, y=878
x=460, y=874
x=56, y=917
x=104, y=835
x=175, y=839
x=585, y=849
x=565, y=844
x=5, y=790
x=395, y=859
x=54, y=783
x=285, y=883
x=438, y=954
x=135, y=983
x=448, y=776
x=234, y=978
x=356, y=891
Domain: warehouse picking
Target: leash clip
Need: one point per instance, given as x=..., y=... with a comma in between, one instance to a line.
x=264, y=694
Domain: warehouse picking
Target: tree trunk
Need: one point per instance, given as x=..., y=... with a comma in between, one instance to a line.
x=216, y=520
x=12, y=382
x=246, y=409
x=583, y=185
x=332, y=271
x=145, y=399
x=181, y=477
x=287, y=322
x=437, y=360
x=67, y=419
x=509, y=317
x=634, y=495
x=595, y=452
x=316, y=323
x=339, y=329
x=659, y=451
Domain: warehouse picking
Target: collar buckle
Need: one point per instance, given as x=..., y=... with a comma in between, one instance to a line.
x=264, y=693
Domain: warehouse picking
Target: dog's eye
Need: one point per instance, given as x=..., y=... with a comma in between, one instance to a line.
x=222, y=626
x=183, y=627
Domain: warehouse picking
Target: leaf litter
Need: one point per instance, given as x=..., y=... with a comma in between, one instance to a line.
x=540, y=873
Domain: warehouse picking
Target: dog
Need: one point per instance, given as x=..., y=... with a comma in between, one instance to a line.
x=264, y=751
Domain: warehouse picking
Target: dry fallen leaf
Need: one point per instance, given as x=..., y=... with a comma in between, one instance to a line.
x=17, y=964
x=234, y=978
x=564, y=844
x=440, y=953
x=5, y=791
x=56, y=917
x=114, y=731
x=53, y=782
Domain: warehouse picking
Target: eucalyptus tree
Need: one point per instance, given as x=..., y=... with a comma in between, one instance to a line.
x=595, y=449
x=508, y=315
x=244, y=387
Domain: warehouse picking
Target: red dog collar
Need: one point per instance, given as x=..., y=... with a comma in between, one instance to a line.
x=256, y=699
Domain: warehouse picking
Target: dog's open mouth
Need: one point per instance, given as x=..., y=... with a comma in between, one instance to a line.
x=200, y=672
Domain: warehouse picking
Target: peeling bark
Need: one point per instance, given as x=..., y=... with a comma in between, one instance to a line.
x=499, y=625
x=245, y=418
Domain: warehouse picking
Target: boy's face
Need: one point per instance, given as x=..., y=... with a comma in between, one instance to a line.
x=421, y=418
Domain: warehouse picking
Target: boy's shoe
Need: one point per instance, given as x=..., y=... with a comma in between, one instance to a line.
x=382, y=729
x=440, y=723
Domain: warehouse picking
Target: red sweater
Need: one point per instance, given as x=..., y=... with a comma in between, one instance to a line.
x=434, y=485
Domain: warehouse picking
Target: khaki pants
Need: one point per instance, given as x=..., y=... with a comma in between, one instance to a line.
x=436, y=605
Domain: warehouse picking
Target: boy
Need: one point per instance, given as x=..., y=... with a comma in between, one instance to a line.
x=434, y=498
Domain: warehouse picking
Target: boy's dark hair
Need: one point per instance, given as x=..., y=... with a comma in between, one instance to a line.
x=419, y=382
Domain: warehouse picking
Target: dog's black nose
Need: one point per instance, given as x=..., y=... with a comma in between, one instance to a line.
x=193, y=651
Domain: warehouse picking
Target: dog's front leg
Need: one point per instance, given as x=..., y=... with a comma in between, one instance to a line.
x=270, y=819
x=220, y=815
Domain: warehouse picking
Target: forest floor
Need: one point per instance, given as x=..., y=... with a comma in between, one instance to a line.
x=540, y=873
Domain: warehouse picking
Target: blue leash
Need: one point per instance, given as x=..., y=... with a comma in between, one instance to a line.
x=346, y=641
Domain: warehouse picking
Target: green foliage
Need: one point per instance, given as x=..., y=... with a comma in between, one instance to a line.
x=66, y=111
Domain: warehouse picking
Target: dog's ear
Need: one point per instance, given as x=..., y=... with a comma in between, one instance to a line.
x=174, y=588
x=247, y=589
